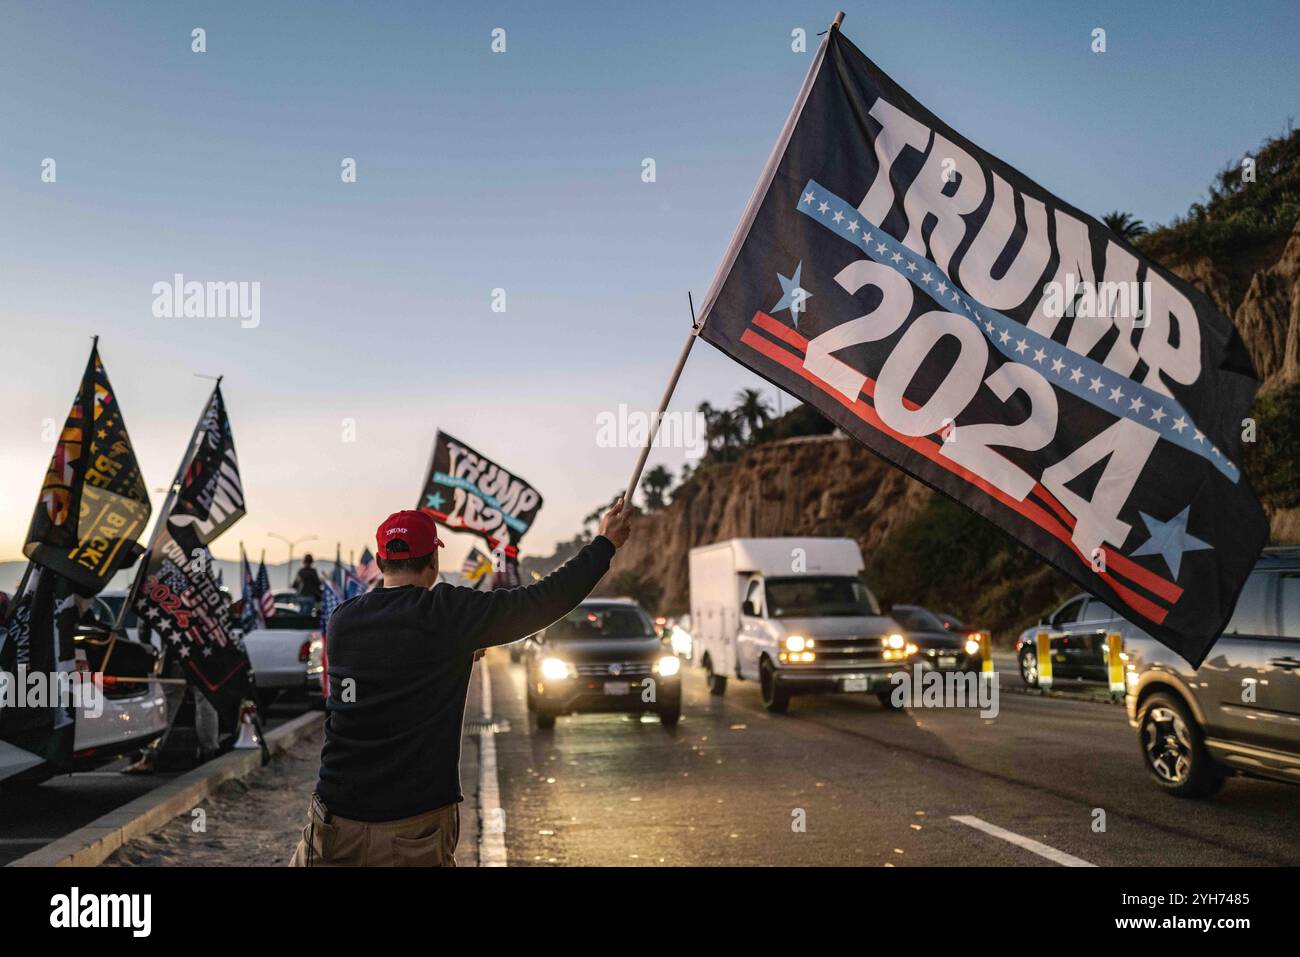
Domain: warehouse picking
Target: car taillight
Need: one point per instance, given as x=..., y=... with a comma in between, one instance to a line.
x=304, y=653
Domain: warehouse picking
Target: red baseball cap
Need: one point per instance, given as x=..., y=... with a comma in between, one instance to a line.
x=417, y=529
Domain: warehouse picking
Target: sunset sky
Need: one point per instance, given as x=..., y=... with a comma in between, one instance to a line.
x=478, y=171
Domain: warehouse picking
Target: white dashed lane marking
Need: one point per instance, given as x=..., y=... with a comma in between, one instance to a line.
x=1028, y=843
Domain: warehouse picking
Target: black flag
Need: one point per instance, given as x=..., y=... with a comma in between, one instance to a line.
x=179, y=597
x=93, y=503
x=468, y=492
x=37, y=640
x=211, y=498
x=1001, y=346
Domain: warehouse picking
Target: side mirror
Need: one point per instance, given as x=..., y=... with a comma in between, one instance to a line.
x=749, y=608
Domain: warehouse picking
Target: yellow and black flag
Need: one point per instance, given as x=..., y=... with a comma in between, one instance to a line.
x=93, y=504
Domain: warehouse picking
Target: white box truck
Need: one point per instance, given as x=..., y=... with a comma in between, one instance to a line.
x=792, y=614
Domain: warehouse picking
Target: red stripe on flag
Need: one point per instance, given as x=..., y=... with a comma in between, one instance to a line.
x=1043, y=519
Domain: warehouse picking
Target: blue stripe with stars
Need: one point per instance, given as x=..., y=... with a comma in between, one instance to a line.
x=1077, y=374
x=453, y=481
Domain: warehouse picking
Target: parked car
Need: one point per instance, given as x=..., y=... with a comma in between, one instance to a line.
x=605, y=655
x=285, y=655
x=134, y=709
x=932, y=645
x=1239, y=712
x=1077, y=638
x=109, y=606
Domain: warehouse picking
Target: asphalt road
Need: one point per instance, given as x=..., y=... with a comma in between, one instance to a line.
x=732, y=783
x=31, y=817
x=872, y=787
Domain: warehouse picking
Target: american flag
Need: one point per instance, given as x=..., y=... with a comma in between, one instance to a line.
x=353, y=586
x=329, y=601
x=252, y=616
x=367, y=567
x=265, y=597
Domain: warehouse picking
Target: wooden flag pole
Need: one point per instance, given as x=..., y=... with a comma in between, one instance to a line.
x=663, y=404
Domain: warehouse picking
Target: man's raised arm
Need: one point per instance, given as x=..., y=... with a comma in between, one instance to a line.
x=508, y=614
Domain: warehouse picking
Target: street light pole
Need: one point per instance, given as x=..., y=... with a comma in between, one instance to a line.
x=289, y=573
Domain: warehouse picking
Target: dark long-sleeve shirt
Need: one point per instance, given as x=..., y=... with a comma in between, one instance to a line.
x=307, y=582
x=399, y=668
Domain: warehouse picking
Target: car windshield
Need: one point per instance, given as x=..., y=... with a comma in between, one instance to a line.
x=813, y=596
x=602, y=621
x=114, y=603
x=293, y=613
x=917, y=619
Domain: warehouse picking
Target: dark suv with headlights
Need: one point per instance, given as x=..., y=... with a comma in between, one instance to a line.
x=605, y=655
x=933, y=645
x=1240, y=710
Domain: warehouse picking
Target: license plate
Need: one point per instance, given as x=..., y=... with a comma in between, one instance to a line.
x=617, y=687
x=855, y=684
x=949, y=662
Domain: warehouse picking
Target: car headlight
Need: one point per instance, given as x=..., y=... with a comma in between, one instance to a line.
x=910, y=650
x=972, y=646
x=669, y=665
x=894, y=641
x=798, y=643
x=556, y=669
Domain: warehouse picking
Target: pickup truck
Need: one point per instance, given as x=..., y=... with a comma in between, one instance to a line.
x=286, y=654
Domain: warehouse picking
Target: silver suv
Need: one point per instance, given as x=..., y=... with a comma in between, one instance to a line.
x=1238, y=712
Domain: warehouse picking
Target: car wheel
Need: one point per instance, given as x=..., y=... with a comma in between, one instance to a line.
x=1029, y=667
x=1173, y=749
x=716, y=683
x=670, y=714
x=775, y=698
x=886, y=699
x=545, y=721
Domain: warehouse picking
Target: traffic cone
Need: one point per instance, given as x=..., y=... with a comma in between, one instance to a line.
x=250, y=735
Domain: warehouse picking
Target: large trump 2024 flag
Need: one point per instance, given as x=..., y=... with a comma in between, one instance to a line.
x=999, y=345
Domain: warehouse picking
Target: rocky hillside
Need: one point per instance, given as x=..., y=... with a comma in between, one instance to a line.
x=816, y=485
x=1264, y=304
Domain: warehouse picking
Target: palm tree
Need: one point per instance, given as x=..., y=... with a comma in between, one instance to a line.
x=655, y=484
x=1125, y=225
x=729, y=430
x=752, y=409
x=710, y=416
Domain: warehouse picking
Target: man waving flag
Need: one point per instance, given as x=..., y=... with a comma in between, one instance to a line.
x=1000, y=345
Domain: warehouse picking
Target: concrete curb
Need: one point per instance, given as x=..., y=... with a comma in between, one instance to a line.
x=93, y=844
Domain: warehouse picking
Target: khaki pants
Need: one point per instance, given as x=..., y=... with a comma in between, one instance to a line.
x=426, y=840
